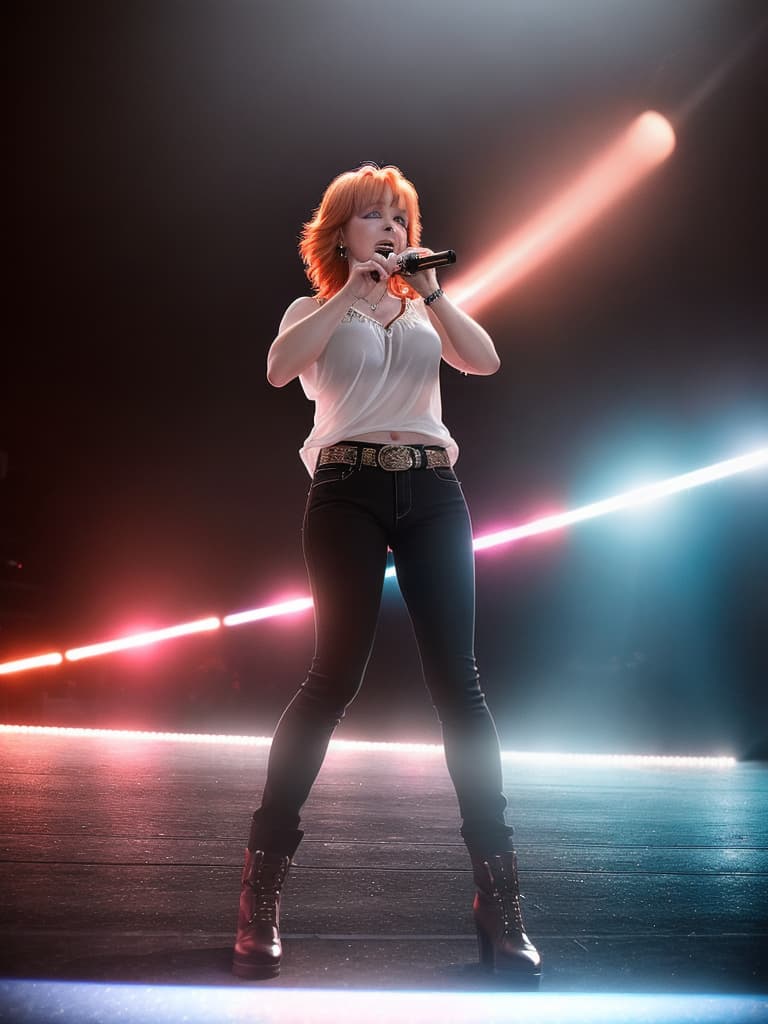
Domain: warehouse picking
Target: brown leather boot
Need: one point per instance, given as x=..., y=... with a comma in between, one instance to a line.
x=258, y=948
x=501, y=938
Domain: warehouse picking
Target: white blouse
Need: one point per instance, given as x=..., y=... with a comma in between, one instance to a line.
x=371, y=378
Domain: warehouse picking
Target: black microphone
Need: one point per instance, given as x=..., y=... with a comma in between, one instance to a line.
x=412, y=263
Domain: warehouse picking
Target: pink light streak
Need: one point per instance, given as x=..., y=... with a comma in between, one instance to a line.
x=142, y=639
x=37, y=661
x=638, y=496
x=646, y=143
x=269, y=611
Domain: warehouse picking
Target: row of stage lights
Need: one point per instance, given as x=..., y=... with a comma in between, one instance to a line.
x=369, y=746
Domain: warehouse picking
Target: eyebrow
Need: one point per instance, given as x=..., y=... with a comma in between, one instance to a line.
x=380, y=206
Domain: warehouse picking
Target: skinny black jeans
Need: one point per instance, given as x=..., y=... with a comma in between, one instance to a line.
x=353, y=514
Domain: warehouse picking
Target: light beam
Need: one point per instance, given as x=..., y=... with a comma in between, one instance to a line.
x=269, y=611
x=142, y=639
x=37, y=661
x=646, y=143
x=748, y=462
x=630, y=499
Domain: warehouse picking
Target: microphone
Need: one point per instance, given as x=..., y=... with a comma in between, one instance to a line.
x=413, y=263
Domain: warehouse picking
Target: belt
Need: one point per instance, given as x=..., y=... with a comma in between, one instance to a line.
x=392, y=457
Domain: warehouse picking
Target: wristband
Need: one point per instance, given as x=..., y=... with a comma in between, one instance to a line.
x=433, y=297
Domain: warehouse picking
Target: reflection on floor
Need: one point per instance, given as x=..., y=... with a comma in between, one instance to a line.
x=121, y=863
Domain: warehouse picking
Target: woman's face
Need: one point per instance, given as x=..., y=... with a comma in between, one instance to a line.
x=382, y=224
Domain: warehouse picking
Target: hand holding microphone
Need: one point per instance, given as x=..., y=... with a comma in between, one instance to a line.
x=410, y=263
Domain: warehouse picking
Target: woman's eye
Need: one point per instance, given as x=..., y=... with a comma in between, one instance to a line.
x=402, y=220
x=373, y=213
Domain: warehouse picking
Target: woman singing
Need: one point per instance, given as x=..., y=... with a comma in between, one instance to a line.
x=366, y=347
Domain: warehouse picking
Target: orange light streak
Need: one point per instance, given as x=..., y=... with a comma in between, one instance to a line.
x=646, y=143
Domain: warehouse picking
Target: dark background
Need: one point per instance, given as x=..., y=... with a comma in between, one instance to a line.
x=163, y=156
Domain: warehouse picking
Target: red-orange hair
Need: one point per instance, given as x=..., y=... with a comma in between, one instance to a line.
x=346, y=195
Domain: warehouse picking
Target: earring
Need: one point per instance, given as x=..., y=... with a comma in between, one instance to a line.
x=341, y=251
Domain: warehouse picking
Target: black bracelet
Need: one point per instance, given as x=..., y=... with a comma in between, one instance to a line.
x=433, y=297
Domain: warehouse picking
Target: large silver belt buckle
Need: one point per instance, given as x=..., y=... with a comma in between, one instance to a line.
x=395, y=456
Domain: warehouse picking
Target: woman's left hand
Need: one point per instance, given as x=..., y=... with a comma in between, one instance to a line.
x=425, y=281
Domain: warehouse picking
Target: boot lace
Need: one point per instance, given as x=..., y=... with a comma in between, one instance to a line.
x=266, y=884
x=507, y=894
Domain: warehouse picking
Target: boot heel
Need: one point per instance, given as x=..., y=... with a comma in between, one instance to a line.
x=254, y=972
x=484, y=949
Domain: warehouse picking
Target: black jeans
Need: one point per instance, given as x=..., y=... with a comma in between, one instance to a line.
x=353, y=514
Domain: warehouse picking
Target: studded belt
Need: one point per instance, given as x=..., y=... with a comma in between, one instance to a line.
x=392, y=457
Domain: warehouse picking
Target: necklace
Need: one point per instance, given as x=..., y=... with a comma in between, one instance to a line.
x=376, y=304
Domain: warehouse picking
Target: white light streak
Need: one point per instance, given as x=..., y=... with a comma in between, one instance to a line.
x=369, y=746
x=639, y=496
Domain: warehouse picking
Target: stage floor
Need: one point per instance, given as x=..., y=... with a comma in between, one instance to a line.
x=121, y=861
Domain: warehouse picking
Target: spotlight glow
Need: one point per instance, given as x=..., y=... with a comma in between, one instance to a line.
x=142, y=639
x=357, y=746
x=646, y=143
